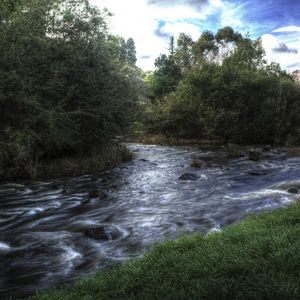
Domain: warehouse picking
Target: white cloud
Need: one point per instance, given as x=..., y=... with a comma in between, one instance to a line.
x=288, y=29
x=177, y=27
x=231, y=15
x=137, y=19
x=286, y=59
x=270, y=42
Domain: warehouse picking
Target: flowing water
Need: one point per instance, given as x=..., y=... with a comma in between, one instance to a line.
x=44, y=226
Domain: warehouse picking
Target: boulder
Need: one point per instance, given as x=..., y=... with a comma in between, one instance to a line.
x=257, y=173
x=54, y=186
x=103, y=232
x=254, y=155
x=189, y=176
x=233, y=151
x=197, y=163
x=93, y=193
x=267, y=148
x=293, y=190
x=97, y=194
x=292, y=187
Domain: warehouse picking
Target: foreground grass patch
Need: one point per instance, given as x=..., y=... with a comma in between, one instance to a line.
x=257, y=259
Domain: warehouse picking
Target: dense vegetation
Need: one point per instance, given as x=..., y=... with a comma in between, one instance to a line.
x=67, y=86
x=258, y=259
x=221, y=87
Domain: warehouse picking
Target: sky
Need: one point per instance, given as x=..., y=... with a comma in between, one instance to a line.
x=151, y=23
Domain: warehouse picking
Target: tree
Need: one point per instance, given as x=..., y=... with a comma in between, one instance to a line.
x=8, y=7
x=227, y=35
x=206, y=48
x=183, y=53
x=172, y=46
x=65, y=75
x=165, y=78
x=226, y=91
x=131, y=52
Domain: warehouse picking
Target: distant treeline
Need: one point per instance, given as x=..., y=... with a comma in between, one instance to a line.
x=221, y=87
x=67, y=86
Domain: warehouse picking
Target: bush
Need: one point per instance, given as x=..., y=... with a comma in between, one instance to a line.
x=64, y=87
x=233, y=97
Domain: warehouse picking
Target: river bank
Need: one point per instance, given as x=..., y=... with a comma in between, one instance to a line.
x=257, y=259
x=233, y=150
x=162, y=139
x=100, y=159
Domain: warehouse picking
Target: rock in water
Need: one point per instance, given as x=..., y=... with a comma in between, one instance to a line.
x=293, y=190
x=197, y=163
x=292, y=187
x=267, y=148
x=189, y=176
x=233, y=151
x=257, y=173
x=93, y=193
x=104, y=232
x=254, y=155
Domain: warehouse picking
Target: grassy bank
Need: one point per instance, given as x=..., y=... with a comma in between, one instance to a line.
x=257, y=259
x=98, y=160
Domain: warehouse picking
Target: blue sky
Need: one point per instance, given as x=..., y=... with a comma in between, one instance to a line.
x=151, y=22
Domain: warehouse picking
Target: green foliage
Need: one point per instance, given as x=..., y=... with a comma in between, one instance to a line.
x=183, y=53
x=258, y=259
x=99, y=159
x=228, y=93
x=205, y=48
x=165, y=79
x=65, y=83
x=131, y=52
x=227, y=35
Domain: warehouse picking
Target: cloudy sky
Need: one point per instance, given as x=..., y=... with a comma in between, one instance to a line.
x=151, y=22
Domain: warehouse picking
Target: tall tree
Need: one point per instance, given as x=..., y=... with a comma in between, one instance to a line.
x=166, y=76
x=131, y=52
x=172, y=46
x=206, y=48
x=183, y=55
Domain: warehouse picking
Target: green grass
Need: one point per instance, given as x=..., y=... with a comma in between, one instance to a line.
x=98, y=160
x=257, y=259
x=110, y=156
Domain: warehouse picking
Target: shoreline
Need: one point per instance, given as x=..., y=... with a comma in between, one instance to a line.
x=164, y=140
x=108, y=157
x=160, y=139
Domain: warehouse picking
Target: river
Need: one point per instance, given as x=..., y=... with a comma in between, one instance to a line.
x=45, y=227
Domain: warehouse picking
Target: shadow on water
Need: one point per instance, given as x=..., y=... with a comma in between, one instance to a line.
x=56, y=231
